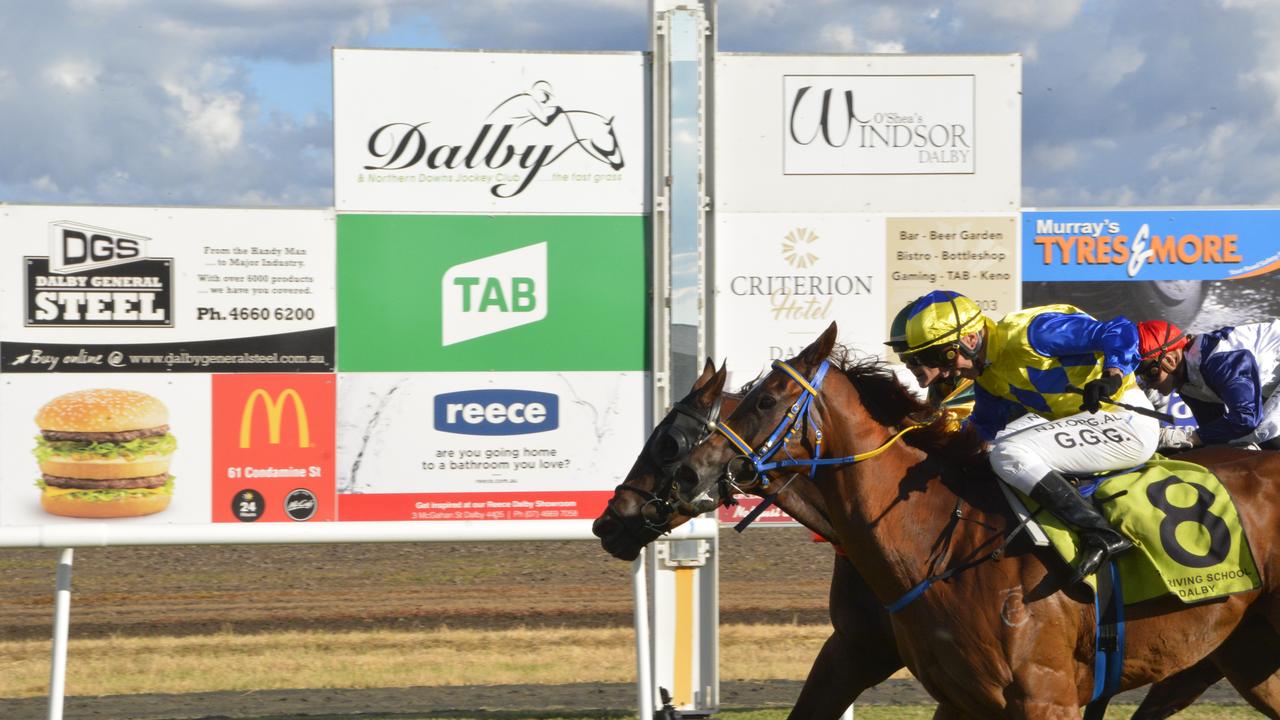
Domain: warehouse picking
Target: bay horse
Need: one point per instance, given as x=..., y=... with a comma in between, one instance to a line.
x=859, y=654
x=1003, y=636
x=861, y=651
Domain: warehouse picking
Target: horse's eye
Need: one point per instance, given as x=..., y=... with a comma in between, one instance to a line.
x=767, y=402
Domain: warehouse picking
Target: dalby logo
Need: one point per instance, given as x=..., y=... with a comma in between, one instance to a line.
x=493, y=294
x=521, y=136
x=496, y=412
x=275, y=407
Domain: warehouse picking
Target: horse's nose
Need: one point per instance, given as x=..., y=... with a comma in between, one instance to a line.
x=686, y=479
x=604, y=527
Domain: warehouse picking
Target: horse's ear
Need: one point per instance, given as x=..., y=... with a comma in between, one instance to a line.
x=708, y=368
x=819, y=349
x=707, y=394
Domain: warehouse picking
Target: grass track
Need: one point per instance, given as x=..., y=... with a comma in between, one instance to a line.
x=1115, y=712
x=383, y=658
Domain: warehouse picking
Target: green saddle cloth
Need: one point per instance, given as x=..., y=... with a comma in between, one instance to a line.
x=1187, y=536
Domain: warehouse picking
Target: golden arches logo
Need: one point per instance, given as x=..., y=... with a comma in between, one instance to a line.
x=275, y=414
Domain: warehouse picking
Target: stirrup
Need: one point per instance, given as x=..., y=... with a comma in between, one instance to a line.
x=1094, y=556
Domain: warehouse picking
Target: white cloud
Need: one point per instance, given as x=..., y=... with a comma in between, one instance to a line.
x=44, y=183
x=73, y=75
x=1030, y=14
x=213, y=119
x=890, y=47
x=1055, y=157
x=838, y=37
x=1114, y=65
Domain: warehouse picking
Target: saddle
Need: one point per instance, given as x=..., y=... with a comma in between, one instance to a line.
x=1187, y=535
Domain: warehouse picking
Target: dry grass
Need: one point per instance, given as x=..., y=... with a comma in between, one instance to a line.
x=110, y=666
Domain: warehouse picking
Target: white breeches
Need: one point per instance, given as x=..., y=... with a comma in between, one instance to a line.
x=1111, y=439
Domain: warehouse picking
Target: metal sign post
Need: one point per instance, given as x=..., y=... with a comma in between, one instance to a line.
x=61, y=625
x=683, y=574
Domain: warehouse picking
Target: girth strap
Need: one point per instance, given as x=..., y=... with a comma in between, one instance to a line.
x=1108, y=661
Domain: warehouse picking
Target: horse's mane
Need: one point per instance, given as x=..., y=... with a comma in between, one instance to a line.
x=892, y=404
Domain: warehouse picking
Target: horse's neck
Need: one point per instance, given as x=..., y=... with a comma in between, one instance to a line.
x=802, y=500
x=891, y=513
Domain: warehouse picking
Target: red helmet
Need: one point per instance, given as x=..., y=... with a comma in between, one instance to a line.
x=1157, y=337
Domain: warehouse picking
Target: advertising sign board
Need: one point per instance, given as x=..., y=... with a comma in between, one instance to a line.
x=479, y=132
x=273, y=448
x=972, y=254
x=867, y=133
x=148, y=462
x=485, y=446
x=134, y=289
x=879, y=124
x=1199, y=268
x=463, y=293
x=782, y=278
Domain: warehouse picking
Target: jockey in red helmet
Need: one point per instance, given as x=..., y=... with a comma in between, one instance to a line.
x=1227, y=377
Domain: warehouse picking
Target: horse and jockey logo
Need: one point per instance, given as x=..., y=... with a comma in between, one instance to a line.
x=519, y=138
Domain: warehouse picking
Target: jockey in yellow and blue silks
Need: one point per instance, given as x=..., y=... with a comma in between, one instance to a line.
x=1045, y=379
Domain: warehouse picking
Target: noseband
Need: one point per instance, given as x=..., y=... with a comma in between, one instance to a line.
x=758, y=461
x=670, y=444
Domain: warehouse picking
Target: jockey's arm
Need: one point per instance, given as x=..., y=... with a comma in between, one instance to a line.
x=1059, y=335
x=1233, y=376
x=991, y=413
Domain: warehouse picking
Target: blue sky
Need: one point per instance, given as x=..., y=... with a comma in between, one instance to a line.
x=301, y=88
x=227, y=102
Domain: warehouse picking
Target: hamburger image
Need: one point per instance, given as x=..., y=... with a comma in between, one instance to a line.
x=104, y=453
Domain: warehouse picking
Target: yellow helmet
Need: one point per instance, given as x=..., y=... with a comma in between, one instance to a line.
x=941, y=317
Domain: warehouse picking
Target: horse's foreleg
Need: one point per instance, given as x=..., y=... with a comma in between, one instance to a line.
x=950, y=712
x=1250, y=658
x=859, y=654
x=1176, y=692
x=837, y=678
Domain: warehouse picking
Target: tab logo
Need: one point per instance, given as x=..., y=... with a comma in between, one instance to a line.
x=497, y=412
x=492, y=294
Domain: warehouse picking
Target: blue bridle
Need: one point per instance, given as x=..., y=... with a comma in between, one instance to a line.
x=800, y=413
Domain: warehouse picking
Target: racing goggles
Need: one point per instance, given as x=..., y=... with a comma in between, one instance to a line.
x=934, y=356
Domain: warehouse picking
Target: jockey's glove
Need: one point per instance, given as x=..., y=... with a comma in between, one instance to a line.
x=1179, y=437
x=1095, y=391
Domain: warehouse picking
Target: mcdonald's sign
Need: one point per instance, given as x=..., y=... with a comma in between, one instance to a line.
x=273, y=437
x=275, y=415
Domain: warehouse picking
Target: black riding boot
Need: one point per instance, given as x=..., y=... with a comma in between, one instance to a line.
x=1098, y=540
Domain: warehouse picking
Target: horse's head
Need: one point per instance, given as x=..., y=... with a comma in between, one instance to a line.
x=758, y=432
x=594, y=133
x=643, y=506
